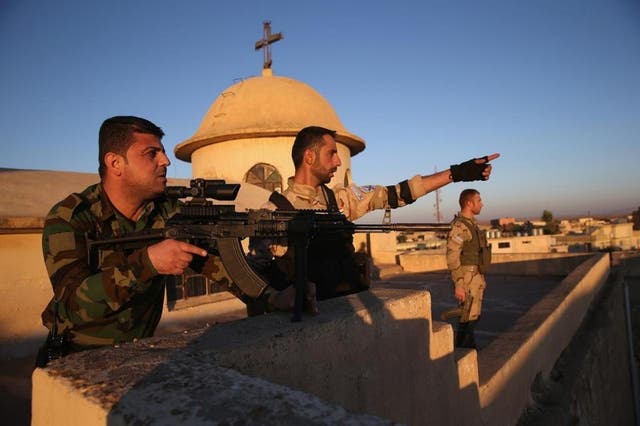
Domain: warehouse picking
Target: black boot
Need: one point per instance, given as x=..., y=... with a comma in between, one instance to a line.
x=464, y=335
x=461, y=334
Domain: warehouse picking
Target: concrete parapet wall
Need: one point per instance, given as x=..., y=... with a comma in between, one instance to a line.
x=501, y=264
x=368, y=353
x=373, y=353
x=510, y=364
x=381, y=247
x=25, y=291
x=377, y=352
x=591, y=382
x=423, y=261
x=536, y=263
x=164, y=396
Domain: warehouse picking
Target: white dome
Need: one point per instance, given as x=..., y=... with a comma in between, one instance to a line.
x=266, y=106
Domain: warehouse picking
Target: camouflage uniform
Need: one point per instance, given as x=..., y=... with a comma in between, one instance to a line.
x=467, y=270
x=118, y=301
x=355, y=201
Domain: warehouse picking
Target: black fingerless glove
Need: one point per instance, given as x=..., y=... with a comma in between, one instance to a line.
x=469, y=170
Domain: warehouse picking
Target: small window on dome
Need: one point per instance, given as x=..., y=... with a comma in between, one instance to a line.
x=265, y=176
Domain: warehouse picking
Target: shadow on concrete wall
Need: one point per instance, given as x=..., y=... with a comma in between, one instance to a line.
x=355, y=354
x=370, y=353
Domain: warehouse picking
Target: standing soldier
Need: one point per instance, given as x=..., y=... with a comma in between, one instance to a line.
x=468, y=257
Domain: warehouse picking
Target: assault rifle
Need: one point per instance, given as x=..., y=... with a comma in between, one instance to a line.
x=219, y=228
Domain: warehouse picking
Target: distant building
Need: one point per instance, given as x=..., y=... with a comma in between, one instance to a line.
x=569, y=227
x=503, y=221
x=524, y=244
x=419, y=241
x=617, y=236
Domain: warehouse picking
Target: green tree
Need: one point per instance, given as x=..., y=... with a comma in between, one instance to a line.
x=551, y=225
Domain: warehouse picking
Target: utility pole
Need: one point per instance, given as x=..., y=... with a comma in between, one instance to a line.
x=437, y=215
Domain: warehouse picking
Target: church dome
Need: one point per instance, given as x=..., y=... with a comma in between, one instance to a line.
x=266, y=106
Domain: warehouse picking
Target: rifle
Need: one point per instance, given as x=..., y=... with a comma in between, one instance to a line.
x=219, y=228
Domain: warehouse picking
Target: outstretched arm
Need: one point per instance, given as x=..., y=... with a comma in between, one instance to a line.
x=355, y=201
x=475, y=169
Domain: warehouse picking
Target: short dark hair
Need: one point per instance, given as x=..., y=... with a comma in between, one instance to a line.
x=308, y=138
x=466, y=195
x=116, y=135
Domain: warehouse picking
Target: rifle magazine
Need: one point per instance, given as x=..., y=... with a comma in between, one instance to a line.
x=235, y=262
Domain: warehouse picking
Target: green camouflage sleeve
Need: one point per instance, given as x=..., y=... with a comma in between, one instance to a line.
x=86, y=294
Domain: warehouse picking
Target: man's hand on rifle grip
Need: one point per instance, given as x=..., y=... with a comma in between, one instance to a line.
x=172, y=257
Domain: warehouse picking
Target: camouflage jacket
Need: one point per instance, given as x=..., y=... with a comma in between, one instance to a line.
x=356, y=201
x=458, y=236
x=120, y=301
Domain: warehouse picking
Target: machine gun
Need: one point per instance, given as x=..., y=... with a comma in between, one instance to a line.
x=219, y=228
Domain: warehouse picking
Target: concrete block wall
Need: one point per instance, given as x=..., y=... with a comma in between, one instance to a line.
x=25, y=291
x=381, y=247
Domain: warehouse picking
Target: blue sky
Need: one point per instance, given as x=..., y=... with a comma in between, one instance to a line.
x=552, y=85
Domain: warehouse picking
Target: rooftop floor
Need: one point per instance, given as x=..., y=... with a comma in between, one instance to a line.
x=506, y=298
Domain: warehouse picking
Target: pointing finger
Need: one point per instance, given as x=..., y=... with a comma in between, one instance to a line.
x=190, y=248
x=487, y=158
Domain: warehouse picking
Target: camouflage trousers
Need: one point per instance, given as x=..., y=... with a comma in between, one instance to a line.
x=474, y=285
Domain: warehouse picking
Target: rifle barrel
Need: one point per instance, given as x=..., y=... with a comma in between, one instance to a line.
x=415, y=227
x=142, y=236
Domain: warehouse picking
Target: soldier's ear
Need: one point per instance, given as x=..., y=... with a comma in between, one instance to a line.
x=114, y=162
x=309, y=157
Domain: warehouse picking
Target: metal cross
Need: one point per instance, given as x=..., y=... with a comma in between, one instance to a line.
x=266, y=42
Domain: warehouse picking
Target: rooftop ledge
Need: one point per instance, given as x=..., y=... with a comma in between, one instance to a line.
x=21, y=225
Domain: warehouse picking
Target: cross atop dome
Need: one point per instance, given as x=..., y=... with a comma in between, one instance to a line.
x=265, y=43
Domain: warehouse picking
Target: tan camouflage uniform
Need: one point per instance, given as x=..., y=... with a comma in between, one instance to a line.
x=354, y=201
x=123, y=299
x=466, y=277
